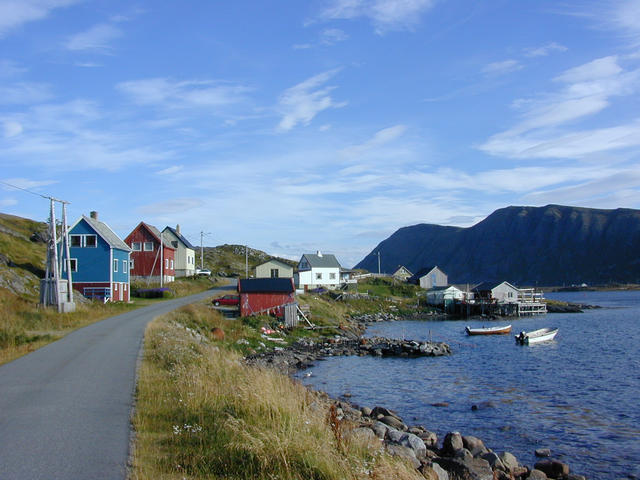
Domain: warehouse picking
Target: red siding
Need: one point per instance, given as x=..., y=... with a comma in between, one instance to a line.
x=120, y=295
x=145, y=262
x=254, y=303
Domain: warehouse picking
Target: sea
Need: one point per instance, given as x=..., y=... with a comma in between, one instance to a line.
x=578, y=395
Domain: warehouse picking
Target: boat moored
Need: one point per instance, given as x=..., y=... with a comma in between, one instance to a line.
x=488, y=330
x=536, y=336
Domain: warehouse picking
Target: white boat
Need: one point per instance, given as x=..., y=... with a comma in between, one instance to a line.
x=488, y=330
x=536, y=336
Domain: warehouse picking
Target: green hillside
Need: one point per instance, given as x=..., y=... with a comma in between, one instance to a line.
x=229, y=260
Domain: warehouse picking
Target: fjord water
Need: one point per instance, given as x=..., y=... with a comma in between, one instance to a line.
x=578, y=395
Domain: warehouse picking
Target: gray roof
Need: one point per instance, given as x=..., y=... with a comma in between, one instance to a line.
x=180, y=237
x=275, y=260
x=158, y=235
x=107, y=234
x=321, y=261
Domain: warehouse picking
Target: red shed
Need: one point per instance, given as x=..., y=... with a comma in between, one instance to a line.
x=146, y=263
x=265, y=295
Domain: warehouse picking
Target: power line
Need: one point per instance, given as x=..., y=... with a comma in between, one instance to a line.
x=48, y=197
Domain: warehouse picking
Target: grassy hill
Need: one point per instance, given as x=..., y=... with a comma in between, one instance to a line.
x=229, y=260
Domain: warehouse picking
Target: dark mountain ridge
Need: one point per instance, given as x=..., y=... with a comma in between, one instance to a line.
x=551, y=245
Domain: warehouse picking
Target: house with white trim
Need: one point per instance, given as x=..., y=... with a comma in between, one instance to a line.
x=318, y=270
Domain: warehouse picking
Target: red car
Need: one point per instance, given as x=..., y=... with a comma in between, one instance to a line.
x=227, y=300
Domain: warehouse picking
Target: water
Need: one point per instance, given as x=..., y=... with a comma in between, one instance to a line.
x=578, y=395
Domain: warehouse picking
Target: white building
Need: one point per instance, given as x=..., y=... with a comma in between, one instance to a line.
x=274, y=269
x=185, y=258
x=441, y=295
x=318, y=270
x=429, y=277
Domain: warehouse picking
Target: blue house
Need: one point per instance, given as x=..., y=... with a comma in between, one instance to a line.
x=99, y=260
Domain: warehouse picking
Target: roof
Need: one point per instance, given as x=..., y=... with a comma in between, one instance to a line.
x=275, y=260
x=156, y=233
x=321, y=261
x=437, y=289
x=265, y=285
x=422, y=272
x=486, y=286
x=107, y=234
x=401, y=267
x=180, y=237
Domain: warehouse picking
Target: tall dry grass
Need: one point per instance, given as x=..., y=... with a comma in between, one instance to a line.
x=202, y=414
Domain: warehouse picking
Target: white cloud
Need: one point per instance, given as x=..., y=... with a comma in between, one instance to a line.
x=8, y=202
x=26, y=183
x=170, y=170
x=24, y=93
x=502, y=68
x=384, y=14
x=587, y=90
x=11, y=128
x=14, y=13
x=380, y=138
x=331, y=36
x=545, y=50
x=302, y=102
x=97, y=38
x=9, y=68
x=167, y=93
x=177, y=205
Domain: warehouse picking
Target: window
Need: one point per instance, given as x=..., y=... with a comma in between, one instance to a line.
x=136, y=246
x=124, y=266
x=171, y=264
x=174, y=243
x=166, y=263
x=115, y=265
x=76, y=240
x=332, y=276
x=74, y=264
x=124, y=287
x=90, y=241
x=275, y=273
x=148, y=246
x=115, y=287
x=131, y=264
x=318, y=276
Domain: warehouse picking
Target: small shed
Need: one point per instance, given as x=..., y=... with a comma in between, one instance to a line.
x=402, y=273
x=274, y=269
x=429, y=277
x=265, y=295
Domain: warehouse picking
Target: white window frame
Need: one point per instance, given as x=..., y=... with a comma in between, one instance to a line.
x=124, y=266
x=148, y=244
x=115, y=264
x=131, y=264
x=318, y=275
x=79, y=239
x=332, y=276
x=166, y=263
x=136, y=246
x=171, y=264
x=74, y=265
x=87, y=237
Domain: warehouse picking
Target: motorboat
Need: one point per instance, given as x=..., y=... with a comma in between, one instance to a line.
x=536, y=336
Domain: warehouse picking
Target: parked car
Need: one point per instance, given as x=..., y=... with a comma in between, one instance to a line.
x=204, y=272
x=227, y=300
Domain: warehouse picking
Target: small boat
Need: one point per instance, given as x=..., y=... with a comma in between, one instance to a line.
x=488, y=330
x=536, y=336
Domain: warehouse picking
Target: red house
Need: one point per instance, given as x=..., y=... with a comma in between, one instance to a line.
x=265, y=295
x=148, y=260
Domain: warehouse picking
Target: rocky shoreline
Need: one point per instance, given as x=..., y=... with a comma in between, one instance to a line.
x=456, y=457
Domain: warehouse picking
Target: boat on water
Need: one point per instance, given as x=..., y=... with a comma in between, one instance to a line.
x=536, y=336
x=488, y=330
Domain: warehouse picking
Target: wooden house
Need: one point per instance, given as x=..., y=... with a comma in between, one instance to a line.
x=402, y=273
x=318, y=270
x=99, y=260
x=150, y=260
x=429, y=277
x=274, y=269
x=265, y=295
x=502, y=292
x=442, y=295
x=185, y=252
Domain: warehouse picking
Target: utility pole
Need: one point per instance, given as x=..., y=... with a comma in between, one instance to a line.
x=202, y=234
x=161, y=260
x=378, y=262
x=246, y=261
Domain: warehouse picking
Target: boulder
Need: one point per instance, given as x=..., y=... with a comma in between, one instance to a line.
x=494, y=461
x=537, y=475
x=217, y=333
x=552, y=468
x=509, y=461
x=441, y=472
x=430, y=439
x=573, y=476
x=451, y=443
x=474, y=445
x=475, y=469
x=366, y=411
x=542, y=452
x=413, y=442
x=393, y=421
x=380, y=429
x=404, y=452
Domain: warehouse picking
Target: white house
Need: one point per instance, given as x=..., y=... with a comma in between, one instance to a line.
x=402, y=273
x=318, y=270
x=499, y=292
x=440, y=295
x=185, y=256
x=274, y=269
x=429, y=277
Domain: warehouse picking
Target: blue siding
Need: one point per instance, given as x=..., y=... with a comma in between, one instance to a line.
x=95, y=264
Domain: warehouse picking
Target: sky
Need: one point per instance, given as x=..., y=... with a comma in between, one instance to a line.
x=295, y=126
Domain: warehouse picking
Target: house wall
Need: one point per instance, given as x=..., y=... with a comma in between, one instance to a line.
x=505, y=293
x=253, y=303
x=147, y=263
x=435, y=278
x=185, y=258
x=310, y=278
x=93, y=264
x=264, y=270
x=402, y=274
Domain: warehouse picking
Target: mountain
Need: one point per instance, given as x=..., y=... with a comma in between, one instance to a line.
x=551, y=245
x=229, y=260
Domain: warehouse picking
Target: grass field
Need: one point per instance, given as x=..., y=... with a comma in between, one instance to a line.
x=202, y=414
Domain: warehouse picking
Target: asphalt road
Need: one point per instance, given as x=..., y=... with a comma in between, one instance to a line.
x=65, y=409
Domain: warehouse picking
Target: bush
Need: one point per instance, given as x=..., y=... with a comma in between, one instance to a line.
x=153, y=293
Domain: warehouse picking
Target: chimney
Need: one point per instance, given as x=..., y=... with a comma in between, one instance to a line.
x=94, y=215
x=319, y=253
x=178, y=229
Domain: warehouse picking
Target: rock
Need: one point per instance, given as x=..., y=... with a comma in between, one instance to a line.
x=403, y=452
x=542, y=452
x=509, y=461
x=451, y=443
x=441, y=473
x=393, y=422
x=475, y=469
x=380, y=429
x=552, y=468
x=439, y=404
x=366, y=411
x=430, y=439
x=494, y=461
x=464, y=455
x=217, y=333
x=362, y=435
x=474, y=445
x=379, y=412
x=428, y=472
x=537, y=475
x=573, y=476
x=414, y=443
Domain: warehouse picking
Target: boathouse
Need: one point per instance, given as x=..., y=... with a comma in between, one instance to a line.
x=265, y=295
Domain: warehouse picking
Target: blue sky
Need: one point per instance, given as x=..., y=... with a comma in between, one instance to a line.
x=294, y=126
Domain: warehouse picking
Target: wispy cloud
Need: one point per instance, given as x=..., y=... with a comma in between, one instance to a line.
x=587, y=90
x=384, y=14
x=302, y=102
x=24, y=93
x=380, y=138
x=502, y=68
x=26, y=183
x=332, y=36
x=170, y=170
x=97, y=39
x=544, y=50
x=9, y=68
x=167, y=93
x=11, y=128
x=177, y=205
x=15, y=13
